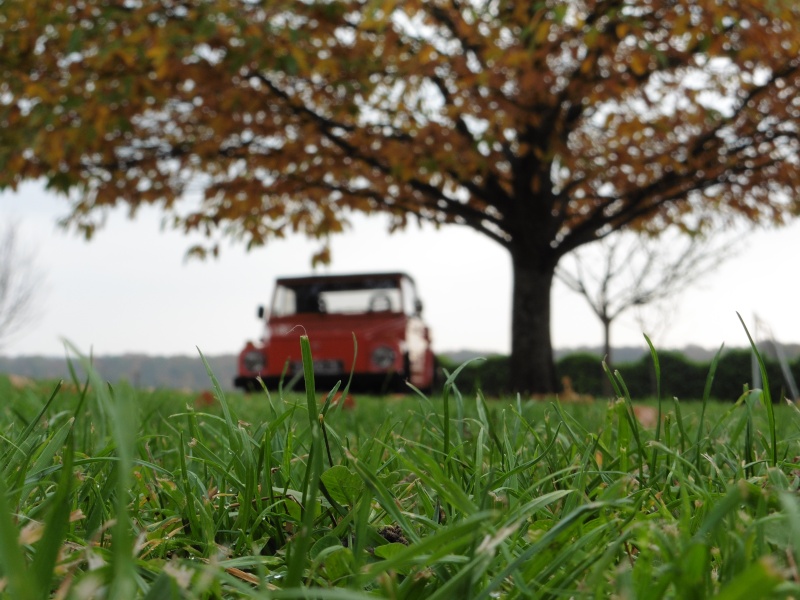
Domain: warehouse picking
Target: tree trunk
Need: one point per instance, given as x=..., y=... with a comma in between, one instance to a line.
x=606, y=340
x=608, y=389
x=532, y=366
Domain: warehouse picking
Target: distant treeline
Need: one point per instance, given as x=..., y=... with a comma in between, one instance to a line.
x=141, y=371
x=680, y=377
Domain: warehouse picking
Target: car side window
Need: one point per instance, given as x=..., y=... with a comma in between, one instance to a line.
x=284, y=302
x=409, y=297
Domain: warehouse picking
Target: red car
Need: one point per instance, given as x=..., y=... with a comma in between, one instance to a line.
x=381, y=309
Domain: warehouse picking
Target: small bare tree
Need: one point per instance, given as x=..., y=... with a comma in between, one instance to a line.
x=628, y=270
x=19, y=283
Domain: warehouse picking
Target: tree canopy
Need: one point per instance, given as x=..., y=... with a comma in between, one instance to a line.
x=543, y=125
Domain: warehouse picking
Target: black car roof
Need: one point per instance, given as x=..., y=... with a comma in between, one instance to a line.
x=345, y=277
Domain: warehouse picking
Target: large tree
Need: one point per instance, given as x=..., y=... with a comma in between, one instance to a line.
x=543, y=125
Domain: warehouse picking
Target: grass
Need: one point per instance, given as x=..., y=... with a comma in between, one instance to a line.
x=118, y=493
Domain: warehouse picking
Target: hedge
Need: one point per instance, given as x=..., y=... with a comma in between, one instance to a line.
x=680, y=377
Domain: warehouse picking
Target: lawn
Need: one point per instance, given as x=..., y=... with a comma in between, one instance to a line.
x=120, y=493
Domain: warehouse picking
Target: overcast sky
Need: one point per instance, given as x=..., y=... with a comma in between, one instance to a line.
x=131, y=289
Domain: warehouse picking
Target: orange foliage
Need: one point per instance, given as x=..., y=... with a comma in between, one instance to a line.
x=556, y=119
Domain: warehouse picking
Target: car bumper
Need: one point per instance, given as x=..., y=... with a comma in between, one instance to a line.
x=377, y=383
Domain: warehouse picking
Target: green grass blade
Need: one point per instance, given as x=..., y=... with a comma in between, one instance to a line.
x=632, y=420
x=233, y=435
x=308, y=375
x=757, y=581
x=706, y=397
x=56, y=528
x=12, y=560
x=19, y=449
x=657, y=370
x=766, y=397
x=298, y=558
x=449, y=385
x=425, y=550
x=385, y=498
x=188, y=494
x=36, y=421
x=564, y=526
x=124, y=427
x=45, y=457
x=301, y=543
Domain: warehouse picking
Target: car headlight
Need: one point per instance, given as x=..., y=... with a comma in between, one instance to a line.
x=253, y=361
x=383, y=357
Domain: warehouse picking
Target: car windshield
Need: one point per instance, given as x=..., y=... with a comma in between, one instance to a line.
x=339, y=297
